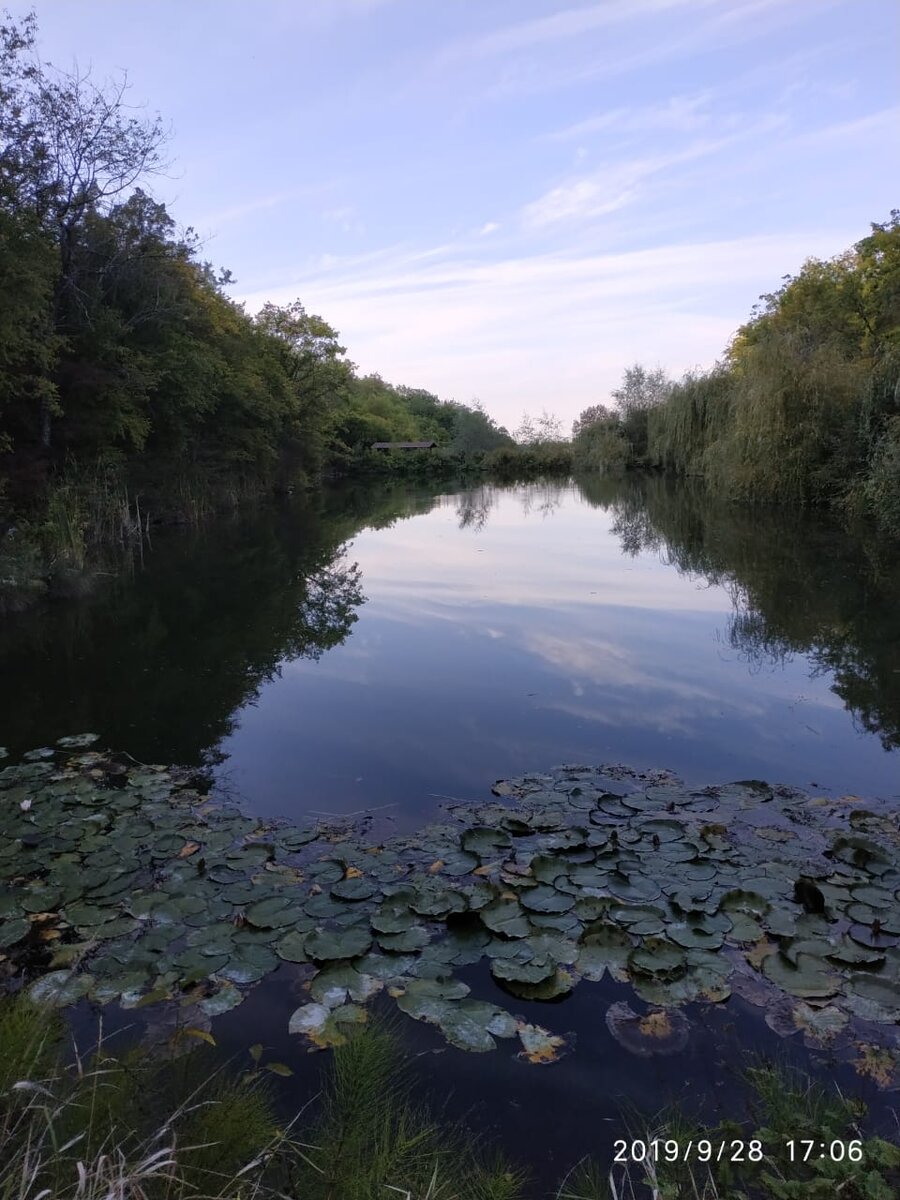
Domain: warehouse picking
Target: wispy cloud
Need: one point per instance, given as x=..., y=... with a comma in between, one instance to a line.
x=609, y=188
x=454, y=322
x=884, y=123
x=571, y=22
x=679, y=114
x=734, y=21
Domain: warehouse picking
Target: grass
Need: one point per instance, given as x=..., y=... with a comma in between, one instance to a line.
x=132, y=1127
x=785, y=1107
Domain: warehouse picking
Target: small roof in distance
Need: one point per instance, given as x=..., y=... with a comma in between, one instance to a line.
x=403, y=445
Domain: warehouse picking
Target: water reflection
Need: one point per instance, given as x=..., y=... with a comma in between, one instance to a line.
x=161, y=661
x=799, y=584
x=386, y=646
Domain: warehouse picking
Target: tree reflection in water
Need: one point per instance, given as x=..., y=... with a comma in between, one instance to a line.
x=800, y=583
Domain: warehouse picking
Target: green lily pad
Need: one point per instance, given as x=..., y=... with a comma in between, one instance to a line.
x=506, y=918
x=60, y=988
x=12, y=931
x=522, y=972
x=472, y=1025
x=545, y=899
x=324, y=945
x=354, y=889
x=292, y=947
x=273, y=913
x=604, y=948
x=406, y=942
x=807, y=977
x=222, y=1001
x=248, y=964
x=485, y=841
x=424, y=998
x=658, y=958
x=632, y=887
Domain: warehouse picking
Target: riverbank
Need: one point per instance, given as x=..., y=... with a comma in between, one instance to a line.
x=134, y=890
x=128, y=1124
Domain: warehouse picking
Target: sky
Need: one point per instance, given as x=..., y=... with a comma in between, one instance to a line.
x=511, y=200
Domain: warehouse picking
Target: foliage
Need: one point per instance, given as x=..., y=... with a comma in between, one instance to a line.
x=600, y=442
x=804, y=407
x=120, y=350
x=373, y=1136
x=134, y=1125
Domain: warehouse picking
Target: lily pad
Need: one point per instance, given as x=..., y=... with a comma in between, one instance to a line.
x=324, y=944
x=60, y=988
x=660, y=1031
x=808, y=977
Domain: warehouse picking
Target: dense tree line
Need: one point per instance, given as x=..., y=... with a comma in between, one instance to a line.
x=123, y=362
x=804, y=406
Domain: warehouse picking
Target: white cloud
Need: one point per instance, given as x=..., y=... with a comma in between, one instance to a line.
x=681, y=114
x=545, y=330
x=572, y=22
x=884, y=123
x=608, y=188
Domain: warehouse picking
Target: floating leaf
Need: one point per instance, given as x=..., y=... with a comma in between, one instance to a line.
x=660, y=1031
x=354, y=888
x=60, y=988
x=807, y=977
x=506, y=918
x=78, y=741
x=324, y=944
x=292, y=947
x=539, y=1046
x=545, y=899
x=222, y=1001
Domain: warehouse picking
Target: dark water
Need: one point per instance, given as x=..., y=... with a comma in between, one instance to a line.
x=483, y=634
x=390, y=648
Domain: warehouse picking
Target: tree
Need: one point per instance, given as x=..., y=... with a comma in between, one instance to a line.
x=69, y=148
x=534, y=431
x=591, y=416
x=641, y=390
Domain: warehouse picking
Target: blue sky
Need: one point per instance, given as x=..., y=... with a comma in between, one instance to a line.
x=512, y=200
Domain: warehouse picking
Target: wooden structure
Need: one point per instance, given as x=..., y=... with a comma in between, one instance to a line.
x=403, y=445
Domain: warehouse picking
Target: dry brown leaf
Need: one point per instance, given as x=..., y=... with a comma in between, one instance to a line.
x=759, y=951
x=656, y=1025
x=437, y=865
x=877, y=1063
x=188, y=849
x=353, y=873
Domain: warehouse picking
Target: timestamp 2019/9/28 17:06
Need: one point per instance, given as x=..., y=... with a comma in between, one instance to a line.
x=705, y=1150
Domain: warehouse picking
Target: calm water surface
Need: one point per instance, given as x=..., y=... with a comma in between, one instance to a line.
x=388, y=647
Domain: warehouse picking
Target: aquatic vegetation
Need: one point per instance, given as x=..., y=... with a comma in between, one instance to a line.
x=131, y=1125
x=126, y=883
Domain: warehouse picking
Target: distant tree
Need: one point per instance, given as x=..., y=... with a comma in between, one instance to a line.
x=535, y=430
x=591, y=416
x=641, y=390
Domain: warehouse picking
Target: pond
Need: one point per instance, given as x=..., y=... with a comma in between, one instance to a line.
x=388, y=647
x=397, y=650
